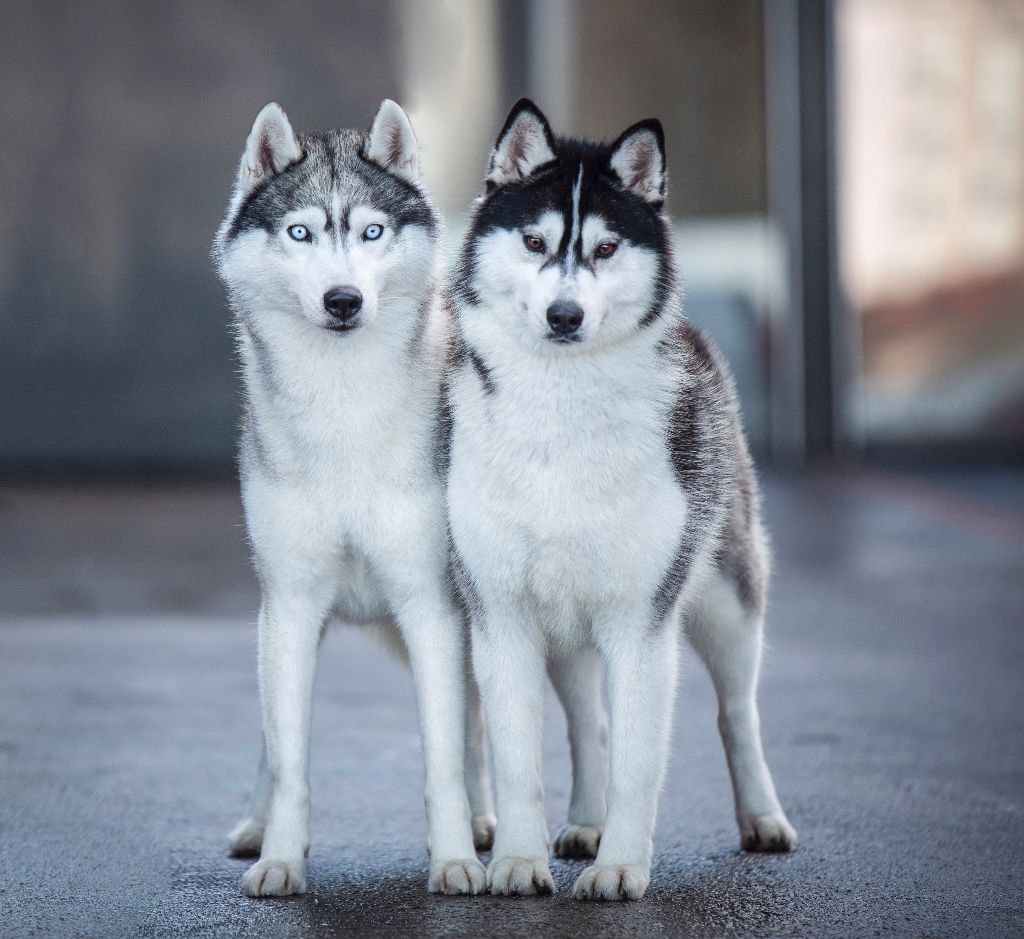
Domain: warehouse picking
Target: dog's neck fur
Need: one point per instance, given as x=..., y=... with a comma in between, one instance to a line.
x=370, y=393
x=596, y=419
x=643, y=367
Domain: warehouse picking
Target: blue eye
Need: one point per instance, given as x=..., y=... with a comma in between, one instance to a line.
x=299, y=233
x=373, y=232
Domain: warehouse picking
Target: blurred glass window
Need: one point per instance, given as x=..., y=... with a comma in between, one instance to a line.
x=931, y=200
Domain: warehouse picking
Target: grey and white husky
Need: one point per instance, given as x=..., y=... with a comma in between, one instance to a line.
x=600, y=495
x=330, y=252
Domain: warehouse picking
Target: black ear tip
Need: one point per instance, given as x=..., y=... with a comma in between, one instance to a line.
x=650, y=126
x=653, y=125
x=525, y=105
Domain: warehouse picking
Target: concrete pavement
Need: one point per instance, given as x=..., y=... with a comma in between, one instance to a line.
x=891, y=702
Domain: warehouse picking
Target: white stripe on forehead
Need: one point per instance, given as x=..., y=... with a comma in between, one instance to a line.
x=574, y=236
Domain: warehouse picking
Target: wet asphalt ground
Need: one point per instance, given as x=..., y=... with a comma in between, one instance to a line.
x=892, y=706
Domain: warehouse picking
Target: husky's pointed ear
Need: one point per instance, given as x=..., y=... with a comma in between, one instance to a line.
x=391, y=143
x=272, y=146
x=638, y=159
x=523, y=146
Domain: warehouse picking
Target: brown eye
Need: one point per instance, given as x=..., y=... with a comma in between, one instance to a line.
x=533, y=243
x=606, y=249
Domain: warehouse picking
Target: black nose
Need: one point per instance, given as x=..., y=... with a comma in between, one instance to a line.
x=343, y=302
x=564, y=317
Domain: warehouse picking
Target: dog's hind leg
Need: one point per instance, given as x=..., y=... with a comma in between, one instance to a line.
x=478, y=778
x=577, y=682
x=726, y=633
x=246, y=838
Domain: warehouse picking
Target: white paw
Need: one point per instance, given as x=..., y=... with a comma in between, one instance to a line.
x=483, y=832
x=612, y=882
x=246, y=839
x=577, y=841
x=767, y=833
x=462, y=876
x=519, y=877
x=270, y=878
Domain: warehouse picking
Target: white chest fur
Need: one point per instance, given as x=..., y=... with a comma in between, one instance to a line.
x=337, y=457
x=561, y=489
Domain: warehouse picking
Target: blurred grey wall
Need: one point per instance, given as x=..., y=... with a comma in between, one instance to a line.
x=122, y=123
x=121, y=126
x=697, y=65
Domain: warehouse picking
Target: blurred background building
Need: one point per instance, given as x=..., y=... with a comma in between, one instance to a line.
x=931, y=199
x=847, y=183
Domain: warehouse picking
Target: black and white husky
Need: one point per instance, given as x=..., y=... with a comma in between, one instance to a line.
x=330, y=252
x=600, y=494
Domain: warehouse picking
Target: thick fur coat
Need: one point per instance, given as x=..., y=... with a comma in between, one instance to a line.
x=330, y=252
x=601, y=501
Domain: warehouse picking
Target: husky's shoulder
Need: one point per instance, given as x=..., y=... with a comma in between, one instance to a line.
x=712, y=461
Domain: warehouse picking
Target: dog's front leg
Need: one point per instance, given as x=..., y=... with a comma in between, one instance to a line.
x=437, y=655
x=641, y=671
x=289, y=632
x=508, y=659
